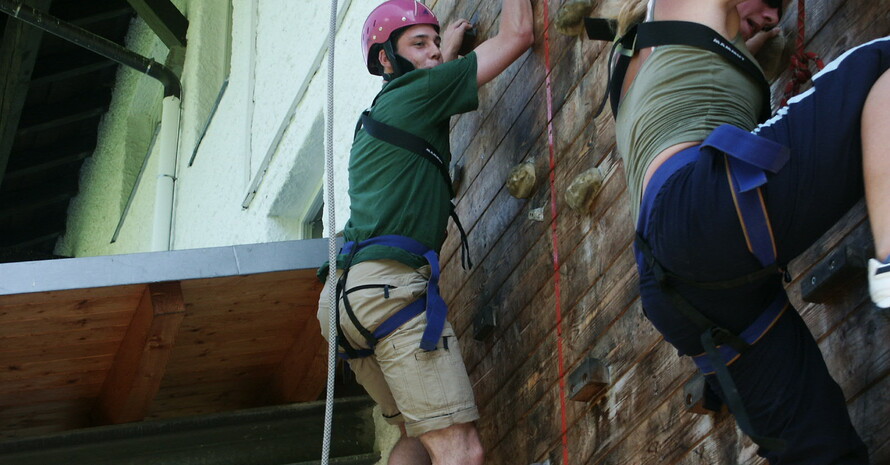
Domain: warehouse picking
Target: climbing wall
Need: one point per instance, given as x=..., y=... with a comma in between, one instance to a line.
x=536, y=342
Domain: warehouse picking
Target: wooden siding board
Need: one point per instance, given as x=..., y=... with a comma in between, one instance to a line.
x=641, y=417
x=540, y=199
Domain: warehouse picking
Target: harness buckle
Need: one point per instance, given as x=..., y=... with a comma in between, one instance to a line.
x=722, y=336
x=626, y=51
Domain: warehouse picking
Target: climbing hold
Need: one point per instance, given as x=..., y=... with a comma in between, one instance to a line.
x=582, y=191
x=570, y=17
x=485, y=322
x=456, y=171
x=536, y=214
x=699, y=397
x=470, y=36
x=848, y=260
x=588, y=379
x=774, y=56
x=521, y=182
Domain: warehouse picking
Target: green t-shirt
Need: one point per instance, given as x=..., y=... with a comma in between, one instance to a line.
x=396, y=191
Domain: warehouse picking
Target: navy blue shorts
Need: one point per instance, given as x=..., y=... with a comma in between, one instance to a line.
x=690, y=221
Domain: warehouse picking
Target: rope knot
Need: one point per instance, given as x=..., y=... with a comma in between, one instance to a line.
x=801, y=72
x=801, y=59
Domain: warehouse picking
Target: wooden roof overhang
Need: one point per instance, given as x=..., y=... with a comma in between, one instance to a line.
x=115, y=339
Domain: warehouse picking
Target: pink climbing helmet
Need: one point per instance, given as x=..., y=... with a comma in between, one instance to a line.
x=387, y=18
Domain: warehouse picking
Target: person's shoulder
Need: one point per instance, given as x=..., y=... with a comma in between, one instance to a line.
x=461, y=62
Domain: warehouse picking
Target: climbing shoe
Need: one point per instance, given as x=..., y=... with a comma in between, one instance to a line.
x=879, y=282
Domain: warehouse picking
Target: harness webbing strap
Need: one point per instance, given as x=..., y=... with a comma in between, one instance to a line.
x=604, y=29
x=387, y=327
x=750, y=335
x=734, y=399
x=656, y=33
x=407, y=141
x=748, y=160
x=412, y=143
x=721, y=345
x=435, y=305
x=432, y=304
x=663, y=278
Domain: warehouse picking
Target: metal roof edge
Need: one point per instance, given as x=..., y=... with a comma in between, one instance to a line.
x=150, y=267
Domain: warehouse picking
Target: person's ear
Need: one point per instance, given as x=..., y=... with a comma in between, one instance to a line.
x=383, y=58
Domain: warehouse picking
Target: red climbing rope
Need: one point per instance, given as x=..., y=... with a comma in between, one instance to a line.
x=800, y=60
x=555, y=239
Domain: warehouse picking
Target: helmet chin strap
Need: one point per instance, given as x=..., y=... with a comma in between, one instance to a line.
x=400, y=65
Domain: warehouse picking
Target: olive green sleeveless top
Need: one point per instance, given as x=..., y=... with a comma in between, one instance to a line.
x=680, y=94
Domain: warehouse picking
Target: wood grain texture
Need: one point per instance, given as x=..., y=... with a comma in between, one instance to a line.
x=640, y=417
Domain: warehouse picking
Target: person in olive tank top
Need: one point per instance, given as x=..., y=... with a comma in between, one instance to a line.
x=724, y=200
x=391, y=319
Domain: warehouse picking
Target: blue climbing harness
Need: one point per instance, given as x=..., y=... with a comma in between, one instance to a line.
x=431, y=303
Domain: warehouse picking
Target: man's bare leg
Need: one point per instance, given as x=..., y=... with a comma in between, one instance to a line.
x=876, y=162
x=408, y=451
x=456, y=445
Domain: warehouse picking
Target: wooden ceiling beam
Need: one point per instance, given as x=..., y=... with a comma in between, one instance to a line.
x=18, y=53
x=36, y=241
x=164, y=19
x=63, y=160
x=29, y=235
x=11, y=209
x=69, y=65
x=100, y=16
x=30, y=157
x=60, y=120
x=140, y=363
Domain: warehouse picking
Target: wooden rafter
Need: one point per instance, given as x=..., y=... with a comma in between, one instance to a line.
x=18, y=53
x=164, y=19
x=139, y=366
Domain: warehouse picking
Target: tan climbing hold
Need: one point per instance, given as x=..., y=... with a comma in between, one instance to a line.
x=456, y=173
x=570, y=17
x=582, y=191
x=521, y=182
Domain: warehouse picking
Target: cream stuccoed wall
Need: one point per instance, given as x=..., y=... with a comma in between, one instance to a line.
x=271, y=115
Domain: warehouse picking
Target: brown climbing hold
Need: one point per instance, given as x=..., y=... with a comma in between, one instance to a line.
x=588, y=379
x=456, y=173
x=570, y=17
x=775, y=56
x=521, y=182
x=582, y=191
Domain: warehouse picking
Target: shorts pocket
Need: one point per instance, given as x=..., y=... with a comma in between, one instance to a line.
x=427, y=384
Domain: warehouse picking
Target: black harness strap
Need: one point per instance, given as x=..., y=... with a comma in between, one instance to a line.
x=418, y=145
x=351, y=351
x=407, y=141
x=655, y=33
x=714, y=335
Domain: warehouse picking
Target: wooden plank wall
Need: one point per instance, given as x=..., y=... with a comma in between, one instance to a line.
x=641, y=417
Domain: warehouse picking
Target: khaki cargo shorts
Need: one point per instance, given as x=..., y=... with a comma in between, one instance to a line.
x=426, y=391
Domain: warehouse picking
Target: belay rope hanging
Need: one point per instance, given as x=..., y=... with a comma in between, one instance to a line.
x=800, y=60
x=332, y=242
x=554, y=214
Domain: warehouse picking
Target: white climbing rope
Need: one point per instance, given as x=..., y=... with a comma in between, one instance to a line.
x=332, y=243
